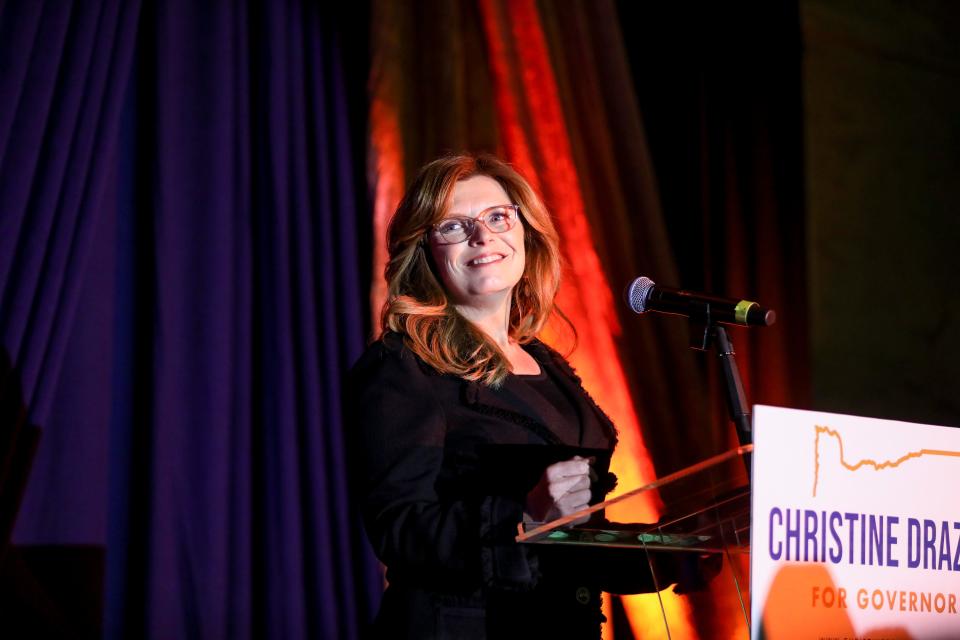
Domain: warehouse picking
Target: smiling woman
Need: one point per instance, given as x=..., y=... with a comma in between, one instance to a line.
x=467, y=301
x=479, y=262
x=469, y=424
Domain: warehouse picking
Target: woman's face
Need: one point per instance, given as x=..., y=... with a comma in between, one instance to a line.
x=486, y=265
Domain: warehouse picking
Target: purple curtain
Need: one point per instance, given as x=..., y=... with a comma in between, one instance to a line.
x=63, y=72
x=182, y=306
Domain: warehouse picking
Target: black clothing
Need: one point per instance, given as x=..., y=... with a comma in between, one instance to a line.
x=448, y=464
x=542, y=388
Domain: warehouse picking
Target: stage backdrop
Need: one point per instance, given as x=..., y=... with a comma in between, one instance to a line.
x=549, y=87
x=185, y=258
x=181, y=298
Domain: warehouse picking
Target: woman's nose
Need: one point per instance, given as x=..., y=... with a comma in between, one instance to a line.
x=480, y=235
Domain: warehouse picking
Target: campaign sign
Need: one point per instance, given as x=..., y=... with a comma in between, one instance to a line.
x=855, y=528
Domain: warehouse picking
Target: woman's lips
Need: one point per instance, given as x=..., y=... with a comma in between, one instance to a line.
x=486, y=259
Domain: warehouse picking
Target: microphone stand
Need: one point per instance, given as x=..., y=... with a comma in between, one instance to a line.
x=704, y=333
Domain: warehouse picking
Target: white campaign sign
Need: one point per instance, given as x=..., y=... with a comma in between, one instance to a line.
x=855, y=528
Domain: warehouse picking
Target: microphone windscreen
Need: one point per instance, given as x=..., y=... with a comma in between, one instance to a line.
x=637, y=294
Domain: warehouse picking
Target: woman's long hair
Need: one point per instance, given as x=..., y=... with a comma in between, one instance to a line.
x=417, y=305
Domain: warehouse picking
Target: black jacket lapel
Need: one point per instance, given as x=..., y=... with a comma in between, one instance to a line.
x=481, y=399
x=588, y=409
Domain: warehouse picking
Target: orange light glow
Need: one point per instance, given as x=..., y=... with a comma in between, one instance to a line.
x=386, y=150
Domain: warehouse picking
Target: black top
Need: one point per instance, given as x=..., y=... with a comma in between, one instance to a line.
x=447, y=465
x=541, y=391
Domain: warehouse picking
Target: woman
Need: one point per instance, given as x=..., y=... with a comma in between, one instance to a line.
x=470, y=425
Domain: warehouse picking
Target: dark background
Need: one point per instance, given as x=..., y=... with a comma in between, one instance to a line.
x=835, y=121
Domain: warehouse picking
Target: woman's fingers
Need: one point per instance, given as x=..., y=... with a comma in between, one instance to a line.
x=574, y=501
x=563, y=485
x=559, y=488
x=584, y=482
x=563, y=489
x=573, y=467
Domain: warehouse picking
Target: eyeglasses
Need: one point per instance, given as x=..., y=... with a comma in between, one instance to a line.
x=497, y=219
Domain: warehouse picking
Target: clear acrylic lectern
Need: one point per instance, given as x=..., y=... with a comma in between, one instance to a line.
x=701, y=540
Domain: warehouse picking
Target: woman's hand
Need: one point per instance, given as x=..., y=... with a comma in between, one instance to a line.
x=563, y=489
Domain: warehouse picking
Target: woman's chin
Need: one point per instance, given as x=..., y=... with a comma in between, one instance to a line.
x=486, y=292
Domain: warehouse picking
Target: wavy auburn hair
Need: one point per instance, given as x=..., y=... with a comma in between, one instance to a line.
x=417, y=305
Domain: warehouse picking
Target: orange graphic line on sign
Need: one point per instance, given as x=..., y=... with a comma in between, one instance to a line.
x=888, y=464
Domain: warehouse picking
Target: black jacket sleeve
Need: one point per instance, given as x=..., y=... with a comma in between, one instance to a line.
x=417, y=533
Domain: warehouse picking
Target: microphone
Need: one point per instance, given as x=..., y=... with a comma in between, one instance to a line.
x=643, y=295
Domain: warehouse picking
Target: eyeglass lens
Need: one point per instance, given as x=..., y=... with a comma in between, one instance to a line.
x=496, y=219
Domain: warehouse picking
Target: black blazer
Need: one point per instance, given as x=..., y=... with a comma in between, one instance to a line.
x=446, y=465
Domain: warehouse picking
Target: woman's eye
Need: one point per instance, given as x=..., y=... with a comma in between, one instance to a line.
x=497, y=217
x=451, y=226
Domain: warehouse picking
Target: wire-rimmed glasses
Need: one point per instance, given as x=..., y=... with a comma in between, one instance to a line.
x=496, y=219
